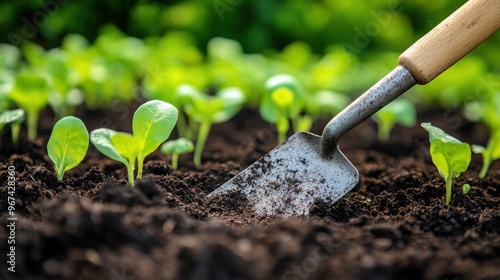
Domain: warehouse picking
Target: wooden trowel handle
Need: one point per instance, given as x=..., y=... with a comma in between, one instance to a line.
x=452, y=39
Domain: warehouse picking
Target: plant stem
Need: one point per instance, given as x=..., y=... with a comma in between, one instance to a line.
x=384, y=130
x=175, y=161
x=140, y=163
x=202, y=138
x=130, y=171
x=32, y=125
x=448, y=190
x=182, y=126
x=485, y=168
x=15, y=128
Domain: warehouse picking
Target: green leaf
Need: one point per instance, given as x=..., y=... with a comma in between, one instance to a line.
x=68, y=144
x=126, y=145
x=465, y=189
x=101, y=138
x=31, y=92
x=178, y=146
x=152, y=124
x=450, y=156
x=400, y=111
x=11, y=116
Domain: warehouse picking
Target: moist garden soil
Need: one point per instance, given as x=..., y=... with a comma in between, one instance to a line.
x=393, y=225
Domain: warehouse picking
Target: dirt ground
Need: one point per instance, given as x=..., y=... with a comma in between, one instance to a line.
x=393, y=225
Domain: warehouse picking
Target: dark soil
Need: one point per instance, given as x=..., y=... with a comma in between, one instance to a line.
x=393, y=225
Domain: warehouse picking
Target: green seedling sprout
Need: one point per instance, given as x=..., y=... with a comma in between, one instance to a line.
x=400, y=111
x=322, y=103
x=489, y=154
x=31, y=93
x=465, y=189
x=282, y=101
x=450, y=156
x=152, y=124
x=176, y=148
x=68, y=144
x=209, y=110
x=15, y=118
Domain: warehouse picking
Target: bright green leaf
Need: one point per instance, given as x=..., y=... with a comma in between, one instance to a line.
x=101, y=138
x=178, y=146
x=11, y=116
x=152, y=124
x=450, y=156
x=68, y=144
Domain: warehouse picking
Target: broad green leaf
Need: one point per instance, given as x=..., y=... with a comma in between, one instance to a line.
x=270, y=107
x=101, y=138
x=326, y=103
x=449, y=154
x=30, y=92
x=400, y=111
x=10, y=116
x=450, y=158
x=233, y=99
x=178, y=146
x=126, y=145
x=152, y=124
x=68, y=144
x=282, y=97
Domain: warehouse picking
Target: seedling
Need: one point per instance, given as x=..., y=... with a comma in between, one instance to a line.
x=152, y=124
x=176, y=148
x=15, y=118
x=400, y=111
x=208, y=110
x=489, y=154
x=465, y=189
x=282, y=101
x=449, y=155
x=31, y=93
x=68, y=144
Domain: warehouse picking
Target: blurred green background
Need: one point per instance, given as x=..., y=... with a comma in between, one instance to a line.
x=370, y=34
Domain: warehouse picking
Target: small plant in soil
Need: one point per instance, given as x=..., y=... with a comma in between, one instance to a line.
x=400, y=111
x=465, y=189
x=31, y=93
x=208, y=110
x=152, y=124
x=68, y=144
x=282, y=101
x=15, y=118
x=450, y=156
x=489, y=153
x=176, y=148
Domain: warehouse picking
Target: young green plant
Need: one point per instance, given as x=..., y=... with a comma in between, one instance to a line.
x=450, y=156
x=31, y=93
x=176, y=148
x=15, y=118
x=209, y=110
x=151, y=125
x=282, y=101
x=68, y=144
x=400, y=111
x=489, y=153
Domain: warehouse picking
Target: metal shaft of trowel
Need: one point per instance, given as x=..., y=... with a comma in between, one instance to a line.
x=382, y=93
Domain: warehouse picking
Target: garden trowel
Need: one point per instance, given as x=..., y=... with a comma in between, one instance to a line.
x=308, y=168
